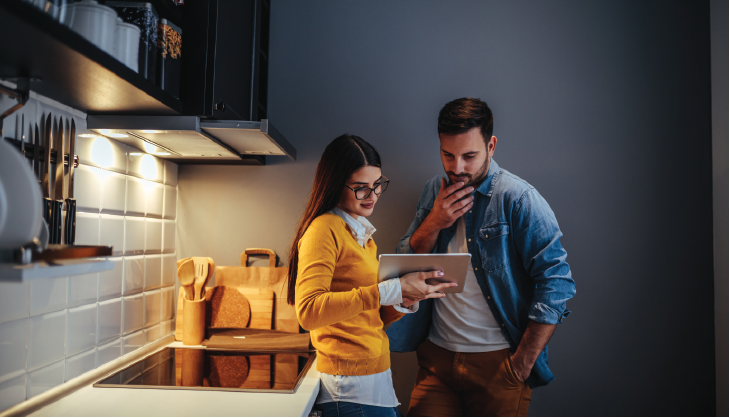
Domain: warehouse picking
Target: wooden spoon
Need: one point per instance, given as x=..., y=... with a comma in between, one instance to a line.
x=201, y=275
x=182, y=260
x=186, y=274
x=211, y=270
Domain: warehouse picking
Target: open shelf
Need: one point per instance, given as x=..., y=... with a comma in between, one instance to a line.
x=59, y=268
x=72, y=70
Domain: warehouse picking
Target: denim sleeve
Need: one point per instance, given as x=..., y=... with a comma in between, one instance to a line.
x=425, y=203
x=537, y=238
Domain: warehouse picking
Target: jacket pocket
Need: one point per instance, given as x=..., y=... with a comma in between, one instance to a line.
x=491, y=232
x=495, y=246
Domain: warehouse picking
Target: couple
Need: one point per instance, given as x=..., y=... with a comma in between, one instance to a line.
x=480, y=351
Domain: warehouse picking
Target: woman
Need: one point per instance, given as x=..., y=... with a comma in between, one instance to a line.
x=333, y=283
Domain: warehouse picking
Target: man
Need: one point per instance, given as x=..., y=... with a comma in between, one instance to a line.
x=480, y=352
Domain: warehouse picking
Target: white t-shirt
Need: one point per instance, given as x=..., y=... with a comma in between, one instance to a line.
x=462, y=322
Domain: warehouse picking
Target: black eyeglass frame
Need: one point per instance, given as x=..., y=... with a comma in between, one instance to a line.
x=382, y=182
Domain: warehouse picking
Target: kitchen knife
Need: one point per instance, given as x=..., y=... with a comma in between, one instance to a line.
x=37, y=154
x=57, y=208
x=22, y=136
x=70, y=227
x=46, y=175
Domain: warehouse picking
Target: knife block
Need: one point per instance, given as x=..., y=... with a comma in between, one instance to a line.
x=193, y=321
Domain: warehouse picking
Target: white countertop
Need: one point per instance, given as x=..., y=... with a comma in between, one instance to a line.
x=91, y=401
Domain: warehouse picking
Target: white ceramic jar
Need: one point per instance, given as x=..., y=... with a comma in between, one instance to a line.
x=126, y=44
x=96, y=23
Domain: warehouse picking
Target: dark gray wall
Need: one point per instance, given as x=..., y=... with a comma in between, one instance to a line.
x=719, y=28
x=604, y=106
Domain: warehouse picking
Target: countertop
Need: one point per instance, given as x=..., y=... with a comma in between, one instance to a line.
x=91, y=401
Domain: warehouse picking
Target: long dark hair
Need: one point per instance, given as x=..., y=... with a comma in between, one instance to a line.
x=340, y=159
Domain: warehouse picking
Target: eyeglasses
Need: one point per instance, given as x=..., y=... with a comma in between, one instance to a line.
x=362, y=193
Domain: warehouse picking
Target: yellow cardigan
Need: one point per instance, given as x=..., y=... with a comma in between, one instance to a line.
x=337, y=299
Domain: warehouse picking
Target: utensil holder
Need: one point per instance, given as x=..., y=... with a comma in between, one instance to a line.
x=193, y=321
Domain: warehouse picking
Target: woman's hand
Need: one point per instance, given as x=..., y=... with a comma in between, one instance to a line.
x=414, y=287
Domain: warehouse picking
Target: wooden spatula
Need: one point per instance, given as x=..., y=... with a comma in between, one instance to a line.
x=211, y=270
x=201, y=275
x=186, y=274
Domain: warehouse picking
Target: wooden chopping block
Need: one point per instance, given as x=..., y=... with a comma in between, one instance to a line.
x=261, y=302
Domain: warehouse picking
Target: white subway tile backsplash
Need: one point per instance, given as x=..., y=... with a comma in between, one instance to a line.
x=134, y=234
x=110, y=281
x=108, y=352
x=167, y=328
x=152, y=334
x=136, y=197
x=146, y=166
x=170, y=202
x=80, y=364
x=81, y=329
x=152, y=303
x=168, y=236
x=46, y=378
x=12, y=391
x=113, y=193
x=133, y=311
x=167, y=309
x=46, y=337
x=82, y=289
x=110, y=320
x=111, y=232
x=13, y=301
x=152, y=272
x=155, y=195
x=47, y=295
x=170, y=173
x=87, y=228
x=153, y=236
x=132, y=342
x=102, y=152
x=169, y=270
x=13, y=348
x=87, y=188
x=133, y=274
x=53, y=330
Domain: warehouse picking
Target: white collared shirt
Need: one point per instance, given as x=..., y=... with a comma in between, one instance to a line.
x=375, y=389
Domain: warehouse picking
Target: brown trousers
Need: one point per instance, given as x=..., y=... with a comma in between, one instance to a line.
x=453, y=384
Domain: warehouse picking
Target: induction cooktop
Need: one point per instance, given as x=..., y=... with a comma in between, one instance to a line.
x=221, y=370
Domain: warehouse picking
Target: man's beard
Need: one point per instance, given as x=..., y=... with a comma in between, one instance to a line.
x=470, y=179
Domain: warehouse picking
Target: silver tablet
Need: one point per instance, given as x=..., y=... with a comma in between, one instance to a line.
x=453, y=265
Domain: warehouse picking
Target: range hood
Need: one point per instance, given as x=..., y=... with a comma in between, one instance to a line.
x=192, y=140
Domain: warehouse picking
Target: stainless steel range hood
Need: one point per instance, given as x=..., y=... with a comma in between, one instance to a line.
x=189, y=139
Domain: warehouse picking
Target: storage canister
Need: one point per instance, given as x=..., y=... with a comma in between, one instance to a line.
x=96, y=23
x=169, y=46
x=144, y=16
x=126, y=44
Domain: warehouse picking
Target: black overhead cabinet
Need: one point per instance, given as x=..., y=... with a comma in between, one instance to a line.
x=217, y=116
x=233, y=36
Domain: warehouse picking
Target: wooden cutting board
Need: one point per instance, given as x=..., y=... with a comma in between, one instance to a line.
x=261, y=302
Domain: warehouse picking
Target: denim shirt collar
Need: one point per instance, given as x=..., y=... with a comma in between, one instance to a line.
x=486, y=187
x=361, y=229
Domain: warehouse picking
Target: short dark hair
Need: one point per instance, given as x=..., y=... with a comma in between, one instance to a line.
x=462, y=115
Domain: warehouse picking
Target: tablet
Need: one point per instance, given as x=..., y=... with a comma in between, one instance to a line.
x=453, y=265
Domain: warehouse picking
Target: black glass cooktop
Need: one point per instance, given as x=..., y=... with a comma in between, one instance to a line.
x=198, y=369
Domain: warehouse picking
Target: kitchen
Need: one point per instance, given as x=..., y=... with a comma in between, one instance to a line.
x=381, y=71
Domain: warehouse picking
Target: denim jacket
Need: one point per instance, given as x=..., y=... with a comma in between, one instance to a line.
x=514, y=240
